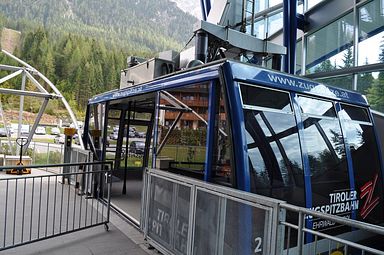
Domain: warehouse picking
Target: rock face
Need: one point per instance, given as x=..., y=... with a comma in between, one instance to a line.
x=191, y=7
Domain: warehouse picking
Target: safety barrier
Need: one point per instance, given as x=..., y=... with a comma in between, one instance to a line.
x=47, y=154
x=39, y=207
x=185, y=216
x=300, y=239
x=216, y=215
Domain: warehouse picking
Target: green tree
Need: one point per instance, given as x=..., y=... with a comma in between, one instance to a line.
x=376, y=92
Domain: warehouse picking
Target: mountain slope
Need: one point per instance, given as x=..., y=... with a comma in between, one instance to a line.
x=192, y=7
x=139, y=25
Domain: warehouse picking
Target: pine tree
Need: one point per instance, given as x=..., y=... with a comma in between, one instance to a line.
x=348, y=58
x=376, y=92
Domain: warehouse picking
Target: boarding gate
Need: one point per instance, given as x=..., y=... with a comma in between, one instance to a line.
x=45, y=205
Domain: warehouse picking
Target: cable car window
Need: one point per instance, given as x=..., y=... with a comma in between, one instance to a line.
x=350, y=112
x=273, y=148
x=222, y=169
x=316, y=107
x=324, y=145
x=261, y=97
x=181, y=144
x=367, y=173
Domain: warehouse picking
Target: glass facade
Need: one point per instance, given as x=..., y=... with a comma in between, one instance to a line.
x=330, y=47
x=336, y=52
x=371, y=32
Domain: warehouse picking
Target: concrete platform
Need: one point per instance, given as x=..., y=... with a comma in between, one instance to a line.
x=122, y=238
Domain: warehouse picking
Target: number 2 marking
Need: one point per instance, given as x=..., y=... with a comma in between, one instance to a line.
x=258, y=241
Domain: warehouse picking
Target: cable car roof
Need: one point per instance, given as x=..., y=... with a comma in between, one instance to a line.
x=238, y=72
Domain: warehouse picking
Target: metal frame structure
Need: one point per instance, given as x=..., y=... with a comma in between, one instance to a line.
x=28, y=72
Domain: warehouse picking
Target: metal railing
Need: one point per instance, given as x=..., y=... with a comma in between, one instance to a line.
x=43, y=206
x=47, y=153
x=185, y=216
x=181, y=215
x=306, y=240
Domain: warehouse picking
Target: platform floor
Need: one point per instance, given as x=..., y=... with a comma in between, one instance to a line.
x=122, y=238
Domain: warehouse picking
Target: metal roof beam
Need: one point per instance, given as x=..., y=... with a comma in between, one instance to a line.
x=26, y=93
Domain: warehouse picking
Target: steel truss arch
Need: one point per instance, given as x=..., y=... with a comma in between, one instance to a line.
x=29, y=72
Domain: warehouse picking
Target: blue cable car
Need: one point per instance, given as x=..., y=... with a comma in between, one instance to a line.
x=251, y=129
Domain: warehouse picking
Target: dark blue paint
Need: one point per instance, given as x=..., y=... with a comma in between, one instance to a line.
x=306, y=165
x=378, y=144
x=207, y=7
x=156, y=130
x=273, y=79
x=290, y=34
x=240, y=149
x=203, y=11
x=173, y=81
x=210, y=132
x=349, y=159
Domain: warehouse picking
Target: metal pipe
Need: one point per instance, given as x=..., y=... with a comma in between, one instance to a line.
x=201, y=49
x=290, y=34
x=10, y=76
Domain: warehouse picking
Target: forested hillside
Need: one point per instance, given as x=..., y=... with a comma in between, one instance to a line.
x=134, y=25
x=81, y=45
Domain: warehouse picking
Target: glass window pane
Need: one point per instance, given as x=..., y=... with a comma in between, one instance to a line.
x=324, y=144
x=299, y=48
x=182, y=133
x=367, y=173
x=222, y=169
x=350, y=112
x=300, y=7
x=371, y=33
x=256, y=96
x=274, y=155
x=259, y=29
x=272, y=3
x=344, y=82
x=375, y=92
x=331, y=47
x=365, y=82
x=312, y=3
x=275, y=23
x=317, y=107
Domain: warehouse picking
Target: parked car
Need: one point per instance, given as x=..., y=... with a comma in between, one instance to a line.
x=55, y=131
x=114, y=135
x=3, y=132
x=60, y=138
x=137, y=147
x=25, y=130
x=132, y=134
x=140, y=134
x=40, y=131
